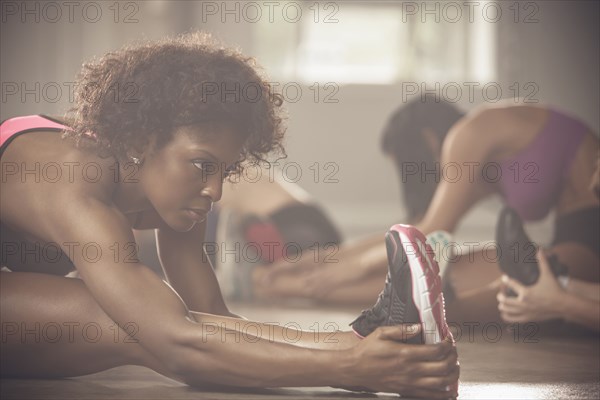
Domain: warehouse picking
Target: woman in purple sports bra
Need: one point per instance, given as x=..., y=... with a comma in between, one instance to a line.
x=155, y=130
x=538, y=159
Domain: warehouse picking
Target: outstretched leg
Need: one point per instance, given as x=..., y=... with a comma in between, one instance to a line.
x=53, y=327
x=289, y=285
x=475, y=280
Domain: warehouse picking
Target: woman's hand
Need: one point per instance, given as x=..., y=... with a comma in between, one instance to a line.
x=538, y=302
x=382, y=362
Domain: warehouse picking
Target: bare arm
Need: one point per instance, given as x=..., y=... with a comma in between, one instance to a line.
x=581, y=310
x=90, y=231
x=466, y=149
x=188, y=269
x=467, y=146
x=588, y=290
x=129, y=292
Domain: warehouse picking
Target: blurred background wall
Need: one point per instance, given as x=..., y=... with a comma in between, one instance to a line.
x=542, y=51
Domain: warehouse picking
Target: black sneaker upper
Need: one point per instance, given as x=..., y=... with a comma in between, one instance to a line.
x=395, y=303
x=517, y=253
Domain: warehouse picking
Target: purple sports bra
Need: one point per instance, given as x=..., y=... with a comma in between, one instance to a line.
x=532, y=181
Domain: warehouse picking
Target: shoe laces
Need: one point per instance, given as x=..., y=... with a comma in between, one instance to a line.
x=376, y=314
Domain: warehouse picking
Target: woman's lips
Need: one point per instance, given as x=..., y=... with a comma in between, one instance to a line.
x=196, y=215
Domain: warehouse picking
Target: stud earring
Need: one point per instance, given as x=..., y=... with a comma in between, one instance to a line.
x=135, y=160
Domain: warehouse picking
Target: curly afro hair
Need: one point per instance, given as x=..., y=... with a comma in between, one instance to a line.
x=142, y=91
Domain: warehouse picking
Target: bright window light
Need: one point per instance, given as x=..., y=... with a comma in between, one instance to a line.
x=376, y=44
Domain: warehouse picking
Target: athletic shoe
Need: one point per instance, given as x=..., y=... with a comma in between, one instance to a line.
x=412, y=291
x=517, y=252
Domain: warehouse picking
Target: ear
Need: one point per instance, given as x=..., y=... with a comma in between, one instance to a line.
x=134, y=156
x=433, y=142
x=144, y=149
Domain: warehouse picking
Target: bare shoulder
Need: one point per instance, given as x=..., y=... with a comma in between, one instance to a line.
x=88, y=216
x=477, y=130
x=500, y=127
x=488, y=121
x=47, y=176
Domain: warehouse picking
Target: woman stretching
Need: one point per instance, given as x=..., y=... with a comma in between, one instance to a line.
x=537, y=159
x=155, y=130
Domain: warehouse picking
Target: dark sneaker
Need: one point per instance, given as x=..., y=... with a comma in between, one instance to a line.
x=412, y=291
x=517, y=252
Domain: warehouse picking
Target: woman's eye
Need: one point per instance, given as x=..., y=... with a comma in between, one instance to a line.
x=211, y=168
x=199, y=165
x=206, y=166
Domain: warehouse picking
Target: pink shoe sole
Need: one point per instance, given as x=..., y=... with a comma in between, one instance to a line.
x=426, y=283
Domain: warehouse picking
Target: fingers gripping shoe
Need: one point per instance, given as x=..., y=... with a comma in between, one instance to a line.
x=412, y=291
x=517, y=252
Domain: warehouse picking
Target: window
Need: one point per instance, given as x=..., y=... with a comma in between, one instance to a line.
x=376, y=43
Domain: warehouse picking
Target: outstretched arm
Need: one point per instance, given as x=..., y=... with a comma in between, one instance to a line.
x=588, y=290
x=465, y=151
x=582, y=311
x=96, y=237
x=188, y=269
x=94, y=234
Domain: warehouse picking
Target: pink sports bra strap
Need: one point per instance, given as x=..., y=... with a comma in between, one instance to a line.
x=19, y=124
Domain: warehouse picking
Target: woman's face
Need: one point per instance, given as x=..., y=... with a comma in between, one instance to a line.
x=182, y=179
x=416, y=164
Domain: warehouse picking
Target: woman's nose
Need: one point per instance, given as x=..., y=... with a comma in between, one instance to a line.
x=213, y=189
